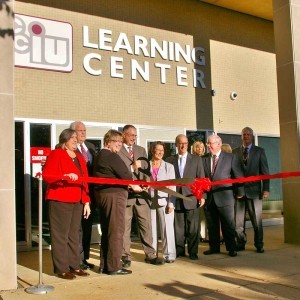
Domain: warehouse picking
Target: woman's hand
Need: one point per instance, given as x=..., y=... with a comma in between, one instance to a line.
x=72, y=176
x=136, y=188
x=86, y=210
x=202, y=202
x=169, y=210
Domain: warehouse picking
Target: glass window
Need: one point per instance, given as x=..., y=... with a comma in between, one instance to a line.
x=40, y=136
x=195, y=135
x=234, y=140
x=272, y=148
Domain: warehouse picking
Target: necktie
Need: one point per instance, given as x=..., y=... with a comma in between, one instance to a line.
x=130, y=152
x=181, y=169
x=84, y=153
x=215, y=160
x=245, y=155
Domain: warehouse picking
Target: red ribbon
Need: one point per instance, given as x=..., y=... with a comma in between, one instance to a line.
x=199, y=186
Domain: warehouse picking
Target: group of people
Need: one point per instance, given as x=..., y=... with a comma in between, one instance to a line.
x=175, y=211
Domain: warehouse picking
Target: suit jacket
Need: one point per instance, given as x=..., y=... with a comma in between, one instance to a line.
x=57, y=164
x=138, y=152
x=92, y=150
x=166, y=171
x=227, y=167
x=257, y=164
x=193, y=168
x=89, y=165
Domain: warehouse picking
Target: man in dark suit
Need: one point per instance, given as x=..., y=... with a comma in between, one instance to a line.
x=186, y=212
x=87, y=150
x=130, y=154
x=219, y=207
x=254, y=162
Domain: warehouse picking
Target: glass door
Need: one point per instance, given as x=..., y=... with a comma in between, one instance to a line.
x=40, y=146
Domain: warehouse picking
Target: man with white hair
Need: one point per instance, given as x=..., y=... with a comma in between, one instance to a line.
x=219, y=207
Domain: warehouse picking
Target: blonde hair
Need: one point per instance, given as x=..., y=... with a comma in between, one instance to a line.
x=226, y=148
x=195, y=145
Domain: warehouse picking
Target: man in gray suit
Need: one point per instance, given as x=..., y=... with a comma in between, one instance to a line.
x=219, y=207
x=186, y=212
x=130, y=154
x=254, y=162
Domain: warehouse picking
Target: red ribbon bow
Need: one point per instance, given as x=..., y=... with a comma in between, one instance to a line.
x=200, y=186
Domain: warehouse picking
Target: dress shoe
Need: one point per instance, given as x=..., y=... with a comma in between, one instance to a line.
x=126, y=263
x=260, y=250
x=67, y=275
x=89, y=265
x=210, y=252
x=79, y=272
x=180, y=255
x=83, y=266
x=155, y=261
x=193, y=256
x=102, y=271
x=120, y=272
x=240, y=247
x=232, y=253
x=169, y=261
x=202, y=240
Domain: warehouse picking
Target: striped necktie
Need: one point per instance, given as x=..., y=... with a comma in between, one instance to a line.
x=215, y=160
x=130, y=152
x=84, y=153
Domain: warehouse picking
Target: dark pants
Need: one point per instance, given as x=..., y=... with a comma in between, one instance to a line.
x=224, y=215
x=64, y=220
x=86, y=233
x=254, y=208
x=187, y=230
x=112, y=213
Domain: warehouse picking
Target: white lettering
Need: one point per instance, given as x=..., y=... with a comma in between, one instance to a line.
x=199, y=78
x=199, y=60
x=163, y=68
x=86, y=39
x=140, y=43
x=180, y=52
x=103, y=39
x=162, y=51
x=87, y=65
x=123, y=43
x=135, y=67
x=114, y=67
x=180, y=76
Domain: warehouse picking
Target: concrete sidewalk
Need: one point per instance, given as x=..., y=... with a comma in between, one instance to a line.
x=274, y=274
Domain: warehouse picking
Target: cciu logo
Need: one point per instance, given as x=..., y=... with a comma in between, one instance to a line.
x=36, y=46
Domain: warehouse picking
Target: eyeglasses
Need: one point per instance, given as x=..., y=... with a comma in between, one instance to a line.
x=116, y=141
x=210, y=143
x=182, y=143
x=131, y=135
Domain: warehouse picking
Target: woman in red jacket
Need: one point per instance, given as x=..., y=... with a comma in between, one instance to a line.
x=67, y=201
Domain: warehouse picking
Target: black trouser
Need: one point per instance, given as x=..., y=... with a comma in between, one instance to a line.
x=187, y=230
x=224, y=215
